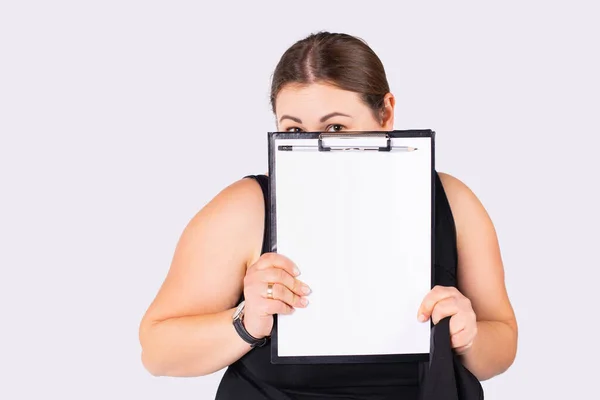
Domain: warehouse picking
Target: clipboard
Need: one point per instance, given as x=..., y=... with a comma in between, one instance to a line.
x=355, y=212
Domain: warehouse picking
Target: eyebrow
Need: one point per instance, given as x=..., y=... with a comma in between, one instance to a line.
x=323, y=119
x=334, y=114
x=298, y=120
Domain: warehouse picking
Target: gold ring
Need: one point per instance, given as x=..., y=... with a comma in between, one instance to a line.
x=270, y=290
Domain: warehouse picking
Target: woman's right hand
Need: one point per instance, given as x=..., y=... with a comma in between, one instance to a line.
x=288, y=292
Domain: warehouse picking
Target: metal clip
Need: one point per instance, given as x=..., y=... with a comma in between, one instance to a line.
x=383, y=139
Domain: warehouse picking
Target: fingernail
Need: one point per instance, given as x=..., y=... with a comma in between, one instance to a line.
x=304, y=301
x=296, y=271
x=422, y=318
x=306, y=290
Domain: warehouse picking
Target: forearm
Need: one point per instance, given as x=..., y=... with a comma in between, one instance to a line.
x=191, y=346
x=493, y=350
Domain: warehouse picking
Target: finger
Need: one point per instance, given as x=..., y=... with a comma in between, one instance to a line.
x=271, y=307
x=268, y=260
x=444, y=308
x=458, y=322
x=463, y=349
x=276, y=275
x=461, y=339
x=436, y=294
x=281, y=292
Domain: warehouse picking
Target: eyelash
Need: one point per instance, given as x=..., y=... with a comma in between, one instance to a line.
x=326, y=130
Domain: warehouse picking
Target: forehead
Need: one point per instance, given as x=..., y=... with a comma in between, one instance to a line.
x=317, y=99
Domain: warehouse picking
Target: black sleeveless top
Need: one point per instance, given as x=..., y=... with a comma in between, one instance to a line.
x=253, y=377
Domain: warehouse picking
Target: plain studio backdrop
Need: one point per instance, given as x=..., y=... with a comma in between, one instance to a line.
x=119, y=120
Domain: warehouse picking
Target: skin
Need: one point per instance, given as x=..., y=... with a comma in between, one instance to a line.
x=187, y=329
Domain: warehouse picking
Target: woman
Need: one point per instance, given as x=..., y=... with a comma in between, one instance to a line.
x=325, y=82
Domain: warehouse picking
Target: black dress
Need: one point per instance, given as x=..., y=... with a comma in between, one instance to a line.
x=253, y=377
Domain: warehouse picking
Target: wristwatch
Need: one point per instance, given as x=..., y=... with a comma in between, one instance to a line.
x=238, y=323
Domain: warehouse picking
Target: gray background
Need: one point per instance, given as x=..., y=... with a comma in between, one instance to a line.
x=120, y=119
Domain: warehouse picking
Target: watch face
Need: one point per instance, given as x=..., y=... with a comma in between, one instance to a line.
x=239, y=310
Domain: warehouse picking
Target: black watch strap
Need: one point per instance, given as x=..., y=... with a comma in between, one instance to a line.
x=247, y=337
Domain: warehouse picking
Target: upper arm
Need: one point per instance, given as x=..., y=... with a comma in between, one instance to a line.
x=480, y=271
x=211, y=256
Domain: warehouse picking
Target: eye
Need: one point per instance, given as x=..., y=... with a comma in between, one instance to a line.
x=335, y=128
x=293, y=129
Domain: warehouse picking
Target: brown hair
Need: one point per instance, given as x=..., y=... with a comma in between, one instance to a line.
x=336, y=58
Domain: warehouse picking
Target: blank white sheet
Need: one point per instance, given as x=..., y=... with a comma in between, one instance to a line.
x=358, y=225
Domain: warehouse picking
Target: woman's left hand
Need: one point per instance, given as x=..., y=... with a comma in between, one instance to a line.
x=447, y=301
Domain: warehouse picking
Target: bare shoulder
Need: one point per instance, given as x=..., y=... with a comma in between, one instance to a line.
x=477, y=241
x=237, y=211
x=239, y=201
x=456, y=190
x=464, y=203
x=480, y=268
x=212, y=254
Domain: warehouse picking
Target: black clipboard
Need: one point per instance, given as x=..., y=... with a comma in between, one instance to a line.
x=372, y=144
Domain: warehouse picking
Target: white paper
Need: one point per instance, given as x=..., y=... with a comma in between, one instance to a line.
x=358, y=225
